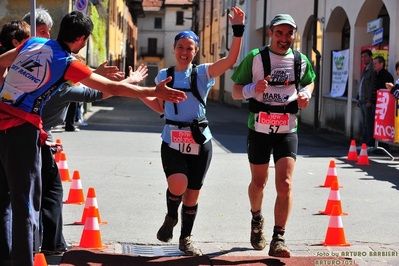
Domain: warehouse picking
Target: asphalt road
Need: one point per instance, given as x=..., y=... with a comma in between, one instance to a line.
x=118, y=155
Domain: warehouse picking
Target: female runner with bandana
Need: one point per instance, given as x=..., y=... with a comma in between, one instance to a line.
x=186, y=149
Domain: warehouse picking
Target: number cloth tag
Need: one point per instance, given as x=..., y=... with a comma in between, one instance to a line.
x=272, y=123
x=183, y=141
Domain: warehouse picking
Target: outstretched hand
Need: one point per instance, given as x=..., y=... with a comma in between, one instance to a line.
x=139, y=75
x=165, y=93
x=238, y=17
x=111, y=72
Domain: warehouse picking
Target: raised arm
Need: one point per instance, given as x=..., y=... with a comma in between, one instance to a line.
x=220, y=66
x=115, y=88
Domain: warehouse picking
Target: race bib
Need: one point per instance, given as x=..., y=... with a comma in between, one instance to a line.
x=183, y=141
x=272, y=123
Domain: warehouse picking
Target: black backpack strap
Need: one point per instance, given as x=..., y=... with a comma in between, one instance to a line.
x=194, y=86
x=170, y=72
x=264, y=53
x=297, y=67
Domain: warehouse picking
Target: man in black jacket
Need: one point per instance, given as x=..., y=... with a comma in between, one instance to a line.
x=381, y=77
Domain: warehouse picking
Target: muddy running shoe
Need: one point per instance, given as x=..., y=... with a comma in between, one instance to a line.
x=165, y=233
x=187, y=246
x=278, y=248
x=258, y=240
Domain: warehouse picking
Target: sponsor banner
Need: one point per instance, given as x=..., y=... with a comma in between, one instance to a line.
x=384, y=123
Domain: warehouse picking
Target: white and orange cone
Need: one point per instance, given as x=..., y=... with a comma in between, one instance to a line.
x=334, y=199
x=335, y=235
x=75, y=195
x=39, y=260
x=352, y=153
x=91, y=236
x=63, y=168
x=331, y=175
x=91, y=200
x=57, y=155
x=363, y=156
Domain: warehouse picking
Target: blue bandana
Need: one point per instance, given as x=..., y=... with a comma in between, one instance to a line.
x=188, y=34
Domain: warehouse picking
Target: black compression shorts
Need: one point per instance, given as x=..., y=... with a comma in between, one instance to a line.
x=260, y=146
x=193, y=166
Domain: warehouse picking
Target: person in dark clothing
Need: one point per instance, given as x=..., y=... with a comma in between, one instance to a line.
x=54, y=112
x=70, y=117
x=381, y=77
x=365, y=96
x=21, y=133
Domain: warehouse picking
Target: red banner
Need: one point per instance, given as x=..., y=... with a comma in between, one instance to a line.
x=384, y=122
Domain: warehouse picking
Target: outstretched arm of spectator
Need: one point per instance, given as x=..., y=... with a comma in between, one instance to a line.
x=137, y=76
x=115, y=88
x=111, y=72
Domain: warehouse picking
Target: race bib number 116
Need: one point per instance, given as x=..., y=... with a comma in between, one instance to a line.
x=183, y=141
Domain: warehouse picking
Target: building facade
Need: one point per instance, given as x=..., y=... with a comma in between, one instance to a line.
x=114, y=37
x=163, y=20
x=324, y=26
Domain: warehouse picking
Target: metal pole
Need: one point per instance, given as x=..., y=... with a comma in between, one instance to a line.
x=33, y=18
x=317, y=70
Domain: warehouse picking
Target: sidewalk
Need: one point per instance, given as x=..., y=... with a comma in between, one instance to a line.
x=235, y=254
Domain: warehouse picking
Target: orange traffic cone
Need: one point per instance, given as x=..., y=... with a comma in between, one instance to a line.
x=39, y=260
x=90, y=201
x=363, y=156
x=331, y=175
x=352, y=154
x=75, y=195
x=91, y=237
x=58, y=154
x=333, y=200
x=335, y=235
x=63, y=168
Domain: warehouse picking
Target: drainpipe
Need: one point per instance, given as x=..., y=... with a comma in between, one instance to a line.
x=317, y=69
x=264, y=30
x=203, y=30
x=227, y=29
x=210, y=30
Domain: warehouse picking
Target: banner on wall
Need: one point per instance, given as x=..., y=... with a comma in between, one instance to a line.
x=340, y=72
x=384, y=123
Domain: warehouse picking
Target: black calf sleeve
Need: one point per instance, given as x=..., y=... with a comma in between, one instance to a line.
x=188, y=215
x=173, y=203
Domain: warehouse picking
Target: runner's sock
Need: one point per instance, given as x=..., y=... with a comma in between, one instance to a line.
x=257, y=216
x=278, y=230
x=173, y=203
x=188, y=215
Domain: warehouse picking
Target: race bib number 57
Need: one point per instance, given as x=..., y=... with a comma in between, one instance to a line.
x=272, y=123
x=183, y=141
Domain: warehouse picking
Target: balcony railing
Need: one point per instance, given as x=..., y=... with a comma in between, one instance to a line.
x=158, y=52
